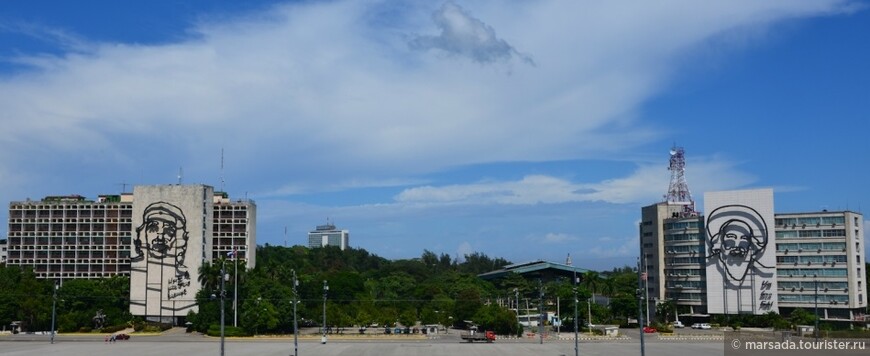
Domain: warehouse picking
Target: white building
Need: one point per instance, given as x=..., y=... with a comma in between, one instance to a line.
x=3, y=251
x=741, y=252
x=328, y=235
x=821, y=250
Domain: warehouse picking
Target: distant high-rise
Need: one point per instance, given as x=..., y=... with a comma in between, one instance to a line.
x=328, y=235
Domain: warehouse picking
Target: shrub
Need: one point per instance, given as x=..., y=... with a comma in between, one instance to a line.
x=85, y=329
x=230, y=331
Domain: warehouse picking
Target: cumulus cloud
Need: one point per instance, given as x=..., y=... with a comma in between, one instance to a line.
x=310, y=93
x=464, y=35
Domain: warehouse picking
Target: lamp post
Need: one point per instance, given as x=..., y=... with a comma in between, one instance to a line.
x=325, y=291
x=640, y=302
x=224, y=277
x=53, y=310
x=576, y=337
x=816, y=328
x=541, y=311
x=295, y=324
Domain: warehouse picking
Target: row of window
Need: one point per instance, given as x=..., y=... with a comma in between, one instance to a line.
x=791, y=234
x=812, y=285
x=814, y=220
x=811, y=246
x=682, y=225
x=686, y=249
x=811, y=259
x=685, y=260
x=809, y=272
x=70, y=240
x=686, y=296
x=811, y=298
x=685, y=272
x=686, y=284
x=684, y=237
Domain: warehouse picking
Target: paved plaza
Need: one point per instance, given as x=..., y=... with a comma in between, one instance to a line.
x=195, y=345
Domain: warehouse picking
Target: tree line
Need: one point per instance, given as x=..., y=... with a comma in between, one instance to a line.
x=364, y=290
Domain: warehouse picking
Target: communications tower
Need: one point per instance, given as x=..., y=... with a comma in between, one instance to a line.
x=678, y=191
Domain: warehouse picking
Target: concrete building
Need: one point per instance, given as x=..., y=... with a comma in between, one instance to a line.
x=743, y=258
x=821, y=250
x=2, y=251
x=673, y=251
x=741, y=262
x=64, y=237
x=157, y=235
x=328, y=235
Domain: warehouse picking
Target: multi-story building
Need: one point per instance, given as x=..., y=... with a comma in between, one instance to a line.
x=328, y=235
x=2, y=251
x=814, y=249
x=819, y=263
x=234, y=226
x=157, y=235
x=63, y=237
x=673, y=250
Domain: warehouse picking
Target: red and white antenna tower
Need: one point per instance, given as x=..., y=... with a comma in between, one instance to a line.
x=678, y=191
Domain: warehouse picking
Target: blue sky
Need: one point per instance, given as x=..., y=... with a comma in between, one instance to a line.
x=521, y=129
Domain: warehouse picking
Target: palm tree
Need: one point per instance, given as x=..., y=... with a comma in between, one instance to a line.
x=209, y=275
x=591, y=279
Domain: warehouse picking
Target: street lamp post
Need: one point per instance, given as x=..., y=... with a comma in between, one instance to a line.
x=53, y=310
x=816, y=328
x=295, y=324
x=576, y=337
x=640, y=302
x=223, y=297
x=325, y=291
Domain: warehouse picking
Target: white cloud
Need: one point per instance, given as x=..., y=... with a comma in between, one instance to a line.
x=314, y=92
x=556, y=238
x=620, y=248
x=463, y=34
x=646, y=184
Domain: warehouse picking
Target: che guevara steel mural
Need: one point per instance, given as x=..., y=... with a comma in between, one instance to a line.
x=162, y=238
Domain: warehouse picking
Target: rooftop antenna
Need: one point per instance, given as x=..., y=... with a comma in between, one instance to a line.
x=180, y=174
x=678, y=191
x=123, y=187
x=222, y=171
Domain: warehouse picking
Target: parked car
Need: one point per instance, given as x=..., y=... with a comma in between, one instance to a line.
x=649, y=329
x=679, y=324
x=122, y=336
x=701, y=326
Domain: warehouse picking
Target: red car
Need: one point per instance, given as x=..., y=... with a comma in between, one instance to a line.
x=649, y=329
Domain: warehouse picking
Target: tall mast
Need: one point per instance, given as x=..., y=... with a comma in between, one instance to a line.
x=678, y=191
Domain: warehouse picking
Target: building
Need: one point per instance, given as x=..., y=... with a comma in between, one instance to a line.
x=63, y=237
x=328, y=235
x=741, y=262
x=158, y=235
x=2, y=251
x=819, y=263
x=742, y=257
